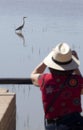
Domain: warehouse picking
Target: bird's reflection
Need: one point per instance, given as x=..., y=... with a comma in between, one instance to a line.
x=20, y=34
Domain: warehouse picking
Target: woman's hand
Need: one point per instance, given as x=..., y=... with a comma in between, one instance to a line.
x=37, y=72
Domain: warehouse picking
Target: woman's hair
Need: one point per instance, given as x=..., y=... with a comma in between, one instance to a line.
x=58, y=72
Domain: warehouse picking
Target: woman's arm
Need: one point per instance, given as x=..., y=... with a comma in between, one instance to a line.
x=37, y=72
x=77, y=71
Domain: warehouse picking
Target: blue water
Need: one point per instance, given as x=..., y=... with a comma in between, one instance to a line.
x=48, y=22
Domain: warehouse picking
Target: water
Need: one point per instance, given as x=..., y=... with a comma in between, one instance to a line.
x=48, y=22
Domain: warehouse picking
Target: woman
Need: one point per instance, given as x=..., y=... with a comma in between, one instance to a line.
x=61, y=89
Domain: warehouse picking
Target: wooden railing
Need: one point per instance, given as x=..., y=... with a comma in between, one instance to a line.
x=15, y=81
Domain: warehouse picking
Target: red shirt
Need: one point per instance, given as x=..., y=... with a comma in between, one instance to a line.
x=68, y=101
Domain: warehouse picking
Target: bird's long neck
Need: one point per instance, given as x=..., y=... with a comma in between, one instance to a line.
x=23, y=21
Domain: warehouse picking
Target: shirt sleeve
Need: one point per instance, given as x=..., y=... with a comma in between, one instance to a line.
x=40, y=79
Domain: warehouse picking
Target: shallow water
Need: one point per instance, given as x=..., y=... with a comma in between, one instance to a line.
x=47, y=23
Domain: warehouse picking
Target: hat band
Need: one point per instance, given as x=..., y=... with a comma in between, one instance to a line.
x=61, y=63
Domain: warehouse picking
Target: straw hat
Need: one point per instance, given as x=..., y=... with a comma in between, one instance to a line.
x=61, y=58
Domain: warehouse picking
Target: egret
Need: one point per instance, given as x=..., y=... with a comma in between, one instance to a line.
x=21, y=27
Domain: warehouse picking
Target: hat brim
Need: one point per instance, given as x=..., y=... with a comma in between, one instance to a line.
x=70, y=66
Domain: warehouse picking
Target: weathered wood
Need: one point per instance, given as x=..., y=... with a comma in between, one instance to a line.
x=15, y=81
x=7, y=111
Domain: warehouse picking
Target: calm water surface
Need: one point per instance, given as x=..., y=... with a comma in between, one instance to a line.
x=47, y=23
